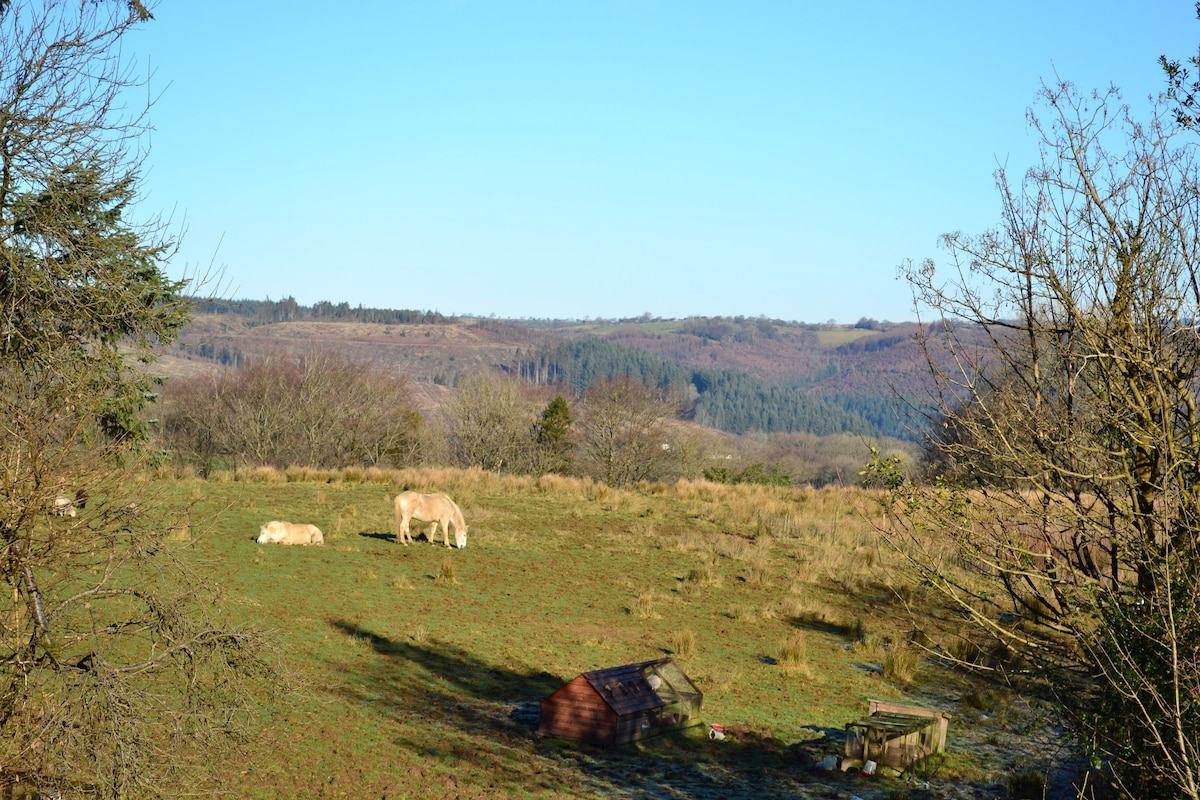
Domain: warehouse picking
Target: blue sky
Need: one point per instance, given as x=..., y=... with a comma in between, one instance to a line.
x=608, y=158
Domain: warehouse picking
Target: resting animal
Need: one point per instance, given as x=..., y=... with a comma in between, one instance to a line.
x=64, y=506
x=278, y=532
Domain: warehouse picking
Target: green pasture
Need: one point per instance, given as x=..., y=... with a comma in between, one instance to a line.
x=402, y=680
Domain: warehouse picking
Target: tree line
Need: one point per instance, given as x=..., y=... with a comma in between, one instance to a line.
x=265, y=312
x=321, y=409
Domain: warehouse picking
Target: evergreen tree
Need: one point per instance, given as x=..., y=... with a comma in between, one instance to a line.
x=105, y=645
x=552, y=434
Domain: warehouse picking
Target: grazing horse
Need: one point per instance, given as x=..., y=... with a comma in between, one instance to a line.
x=437, y=509
x=277, y=532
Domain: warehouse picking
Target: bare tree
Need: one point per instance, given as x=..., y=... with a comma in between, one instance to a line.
x=492, y=424
x=316, y=408
x=621, y=432
x=1068, y=440
x=112, y=680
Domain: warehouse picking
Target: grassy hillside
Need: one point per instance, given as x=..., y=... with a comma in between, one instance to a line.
x=418, y=671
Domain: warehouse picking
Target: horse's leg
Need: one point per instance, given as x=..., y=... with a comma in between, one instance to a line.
x=432, y=532
x=402, y=535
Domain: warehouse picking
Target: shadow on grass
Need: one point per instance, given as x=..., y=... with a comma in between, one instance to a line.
x=822, y=626
x=383, y=537
x=419, y=537
x=454, y=708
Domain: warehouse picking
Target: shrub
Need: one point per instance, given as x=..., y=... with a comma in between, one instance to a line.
x=1027, y=784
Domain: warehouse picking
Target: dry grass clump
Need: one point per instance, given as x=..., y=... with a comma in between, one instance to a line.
x=562, y=484
x=757, y=575
x=642, y=527
x=643, y=606
x=419, y=634
x=683, y=643
x=445, y=572
x=402, y=583
x=697, y=491
x=741, y=613
x=456, y=482
x=259, y=475
x=803, y=609
x=354, y=474
x=793, y=657
x=359, y=641
x=735, y=547
x=374, y=475
x=791, y=607
x=693, y=542
x=621, y=501
x=781, y=526
x=900, y=664
x=703, y=575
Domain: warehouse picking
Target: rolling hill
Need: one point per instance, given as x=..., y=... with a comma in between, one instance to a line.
x=743, y=375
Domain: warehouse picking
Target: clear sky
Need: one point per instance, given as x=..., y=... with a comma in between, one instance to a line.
x=605, y=158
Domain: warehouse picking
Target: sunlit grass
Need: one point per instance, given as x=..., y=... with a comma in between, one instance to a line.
x=768, y=596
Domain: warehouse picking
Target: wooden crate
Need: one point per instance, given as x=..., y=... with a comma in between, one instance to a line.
x=896, y=735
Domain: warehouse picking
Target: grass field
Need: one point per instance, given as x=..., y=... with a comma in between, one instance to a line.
x=418, y=671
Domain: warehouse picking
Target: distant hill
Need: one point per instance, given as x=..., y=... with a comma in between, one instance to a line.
x=742, y=374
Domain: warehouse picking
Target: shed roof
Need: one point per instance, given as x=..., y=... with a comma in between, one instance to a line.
x=629, y=688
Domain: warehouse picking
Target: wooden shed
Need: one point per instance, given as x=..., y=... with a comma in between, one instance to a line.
x=617, y=705
x=896, y=735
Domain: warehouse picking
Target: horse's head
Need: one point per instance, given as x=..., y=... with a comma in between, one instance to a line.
x=460, y=537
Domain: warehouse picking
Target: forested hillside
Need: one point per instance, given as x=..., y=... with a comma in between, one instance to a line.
x=739, y=375
x=724, y=399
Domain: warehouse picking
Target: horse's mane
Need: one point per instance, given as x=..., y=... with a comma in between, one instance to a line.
x=459, y=522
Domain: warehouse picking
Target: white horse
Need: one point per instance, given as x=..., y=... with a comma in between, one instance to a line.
x=64, y=506
x=437, y=509
x=278, y=532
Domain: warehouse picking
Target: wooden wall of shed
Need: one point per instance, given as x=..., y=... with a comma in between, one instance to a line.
x=632, y=727
x=577, y=711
